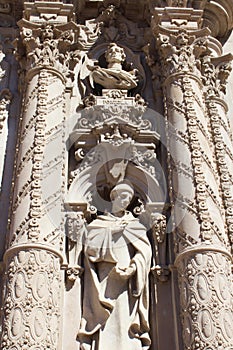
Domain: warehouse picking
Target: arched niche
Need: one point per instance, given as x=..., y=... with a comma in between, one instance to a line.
x=86, y=187
x=132, y=59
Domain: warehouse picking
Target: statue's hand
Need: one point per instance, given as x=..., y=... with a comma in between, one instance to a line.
x=124, y=273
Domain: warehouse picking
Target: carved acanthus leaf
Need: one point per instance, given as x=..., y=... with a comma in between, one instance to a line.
x=59, y=47
x=180, y=52
x=215, y=73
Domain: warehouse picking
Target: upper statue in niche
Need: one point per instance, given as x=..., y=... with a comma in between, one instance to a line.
x=114, y=76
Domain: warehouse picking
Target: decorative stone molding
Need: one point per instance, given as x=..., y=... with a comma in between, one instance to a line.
x=205, y=300
x=180, y=56
x=217, y=15
x=50, y=46
x=76, y=233
x=116, y=128
x=5, y=99
x=113, y=136
x=115, y=27
x=215, y=73
x=115, y=103
x=35, y=241
x=181, y=50
x=48, y=11
x=32, y=300
x=159, y=239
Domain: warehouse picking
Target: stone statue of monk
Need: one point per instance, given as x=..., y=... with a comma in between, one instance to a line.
x=116, y=267
x=114, y=77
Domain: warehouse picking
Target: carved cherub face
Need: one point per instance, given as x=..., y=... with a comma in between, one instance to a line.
x=121, y=197
x=115, y=53
x=47, y=33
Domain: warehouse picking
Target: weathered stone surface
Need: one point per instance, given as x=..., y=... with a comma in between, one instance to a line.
x=116, y=175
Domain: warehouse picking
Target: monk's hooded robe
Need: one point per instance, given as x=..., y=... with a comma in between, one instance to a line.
x=115, y=310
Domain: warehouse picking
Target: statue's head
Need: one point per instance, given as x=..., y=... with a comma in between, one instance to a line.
x=121, y=196
x=115, y=53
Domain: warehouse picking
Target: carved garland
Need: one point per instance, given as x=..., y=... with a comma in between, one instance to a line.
x=225, y=176
x=215, y=78
x=196, y=156
x=39, y=143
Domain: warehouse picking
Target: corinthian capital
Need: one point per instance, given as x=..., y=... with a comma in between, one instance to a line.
x=49, y=46
x=180, y=51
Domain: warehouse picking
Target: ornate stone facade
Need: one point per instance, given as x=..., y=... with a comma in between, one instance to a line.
x=103, y=95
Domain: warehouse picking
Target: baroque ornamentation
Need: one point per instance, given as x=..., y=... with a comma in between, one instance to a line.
x=39, y=144
x=114, y=105
x=206, y=301
x=32, y=301
x=52, y=46
x=115, y=27
x=159, y=226
x=220, y=151
x=215, y=72
x=5, y=99
x=76, y=233
x=180, y=51
x=180, y=63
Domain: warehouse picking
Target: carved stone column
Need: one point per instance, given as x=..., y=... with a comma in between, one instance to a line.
x=215, y=72
x=202, y=249
x=32, y=303
x=5, y=99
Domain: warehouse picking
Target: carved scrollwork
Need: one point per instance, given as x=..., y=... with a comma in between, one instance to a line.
x=52, y=46
x=95, y=116
x=76, y=232
x=159, y=227
x=215, y=73
x=74, y=272
x=180, y=52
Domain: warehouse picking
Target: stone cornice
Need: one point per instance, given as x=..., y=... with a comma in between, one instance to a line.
x=217, y=15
